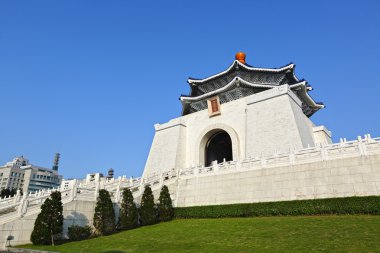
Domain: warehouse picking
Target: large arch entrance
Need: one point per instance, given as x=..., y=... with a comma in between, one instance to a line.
x=218, y=148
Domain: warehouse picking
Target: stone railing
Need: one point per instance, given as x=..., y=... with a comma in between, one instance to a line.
x=343, y=149
x=19, y=206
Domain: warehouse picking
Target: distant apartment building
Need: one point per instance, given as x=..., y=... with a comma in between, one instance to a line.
x=20, y=174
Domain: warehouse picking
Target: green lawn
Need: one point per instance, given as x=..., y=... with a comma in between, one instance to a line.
x=359, y=233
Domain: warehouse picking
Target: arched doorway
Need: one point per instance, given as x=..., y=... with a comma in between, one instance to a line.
x=218, y=147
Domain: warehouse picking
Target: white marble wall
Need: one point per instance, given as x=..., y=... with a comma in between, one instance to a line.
x=355, y=176
x=76, y=212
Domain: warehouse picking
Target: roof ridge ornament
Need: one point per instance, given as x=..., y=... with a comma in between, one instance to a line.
x=240, y=56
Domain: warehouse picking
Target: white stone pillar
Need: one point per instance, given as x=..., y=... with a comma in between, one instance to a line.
x=215, y=166
x=96, y=190
x=323, y=152
x=117, y=197
x=361, y=146
x=23, y=207
x=74, y=190
x=17, y=196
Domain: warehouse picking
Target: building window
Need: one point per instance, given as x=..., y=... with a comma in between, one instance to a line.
x=213, y=106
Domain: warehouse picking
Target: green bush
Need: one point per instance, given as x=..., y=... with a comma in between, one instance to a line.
x=78, y=233
x=128, y=218
x=348, y=205
x=147, y=208
x=165, y=207
x=104, y=216
x=6, y=193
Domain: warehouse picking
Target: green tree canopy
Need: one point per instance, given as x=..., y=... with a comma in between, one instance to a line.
x=49, y=222
x=147, y=207
x=104, y=216
x=8, y=192
x=165, y=206
x=128, y=212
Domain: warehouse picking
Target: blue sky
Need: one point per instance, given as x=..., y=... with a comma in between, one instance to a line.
x=89, y=79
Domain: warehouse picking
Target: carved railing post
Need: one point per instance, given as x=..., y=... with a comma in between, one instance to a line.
x=17, y=196
x=215, y=166
x=74, y=190
x=141, y=186
x=23, y=207
x=97, y=186
x=323, y=152
x=361, y=146
x=117, y=197
x=130, y=181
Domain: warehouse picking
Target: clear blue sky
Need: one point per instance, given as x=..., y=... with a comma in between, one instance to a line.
x=89, y=79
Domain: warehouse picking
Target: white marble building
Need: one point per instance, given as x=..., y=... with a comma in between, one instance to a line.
x=253, y=111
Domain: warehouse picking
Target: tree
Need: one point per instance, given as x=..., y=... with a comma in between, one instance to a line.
x=7, y=192
x=165, y=206
x=41, y=232
x=104, y=216
x=128, y=212
x=4, y=193
x=147, y=207
x=49, y=222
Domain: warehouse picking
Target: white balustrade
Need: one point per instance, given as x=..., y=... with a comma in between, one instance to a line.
x=29, y=203
x=343, y=149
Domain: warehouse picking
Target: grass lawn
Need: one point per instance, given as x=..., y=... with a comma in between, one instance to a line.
x=359, y=233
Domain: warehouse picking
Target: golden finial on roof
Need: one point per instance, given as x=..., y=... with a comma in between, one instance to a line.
x=240, y=56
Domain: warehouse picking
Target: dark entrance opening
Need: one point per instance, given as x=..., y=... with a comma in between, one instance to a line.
x=218, y=147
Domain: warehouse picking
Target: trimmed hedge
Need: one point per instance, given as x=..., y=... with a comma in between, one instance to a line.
x=78, y=233
x=348, y=205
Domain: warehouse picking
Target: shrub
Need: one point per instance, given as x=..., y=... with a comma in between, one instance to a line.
x=6, y=193
x=147, y=207
x=128, y=212
x=78, y=233
x=165, y=207
x=348, y=205
x=104, y=216
x=49, y=222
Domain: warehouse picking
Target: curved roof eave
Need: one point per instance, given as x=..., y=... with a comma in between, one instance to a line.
x=235, y=81
x=197, y=81
x=308, y=99
x=306, y=95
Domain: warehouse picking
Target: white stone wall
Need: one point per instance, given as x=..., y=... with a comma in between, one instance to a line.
x=77, y=212
x=354, y=176
x=276, y=123
x=168, y=148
